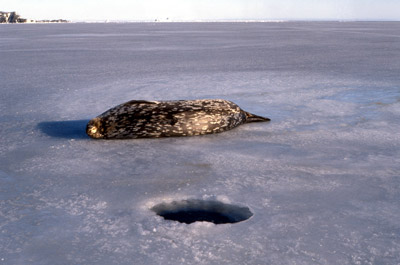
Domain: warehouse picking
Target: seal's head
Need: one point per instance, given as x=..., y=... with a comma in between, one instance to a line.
x=95, y=128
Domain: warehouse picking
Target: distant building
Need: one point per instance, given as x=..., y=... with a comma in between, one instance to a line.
x=13, y=17
x=8, y=17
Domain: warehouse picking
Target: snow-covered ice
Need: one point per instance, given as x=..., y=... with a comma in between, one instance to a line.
x=322, y=179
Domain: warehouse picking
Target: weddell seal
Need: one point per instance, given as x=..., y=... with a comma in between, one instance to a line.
x=146, y=119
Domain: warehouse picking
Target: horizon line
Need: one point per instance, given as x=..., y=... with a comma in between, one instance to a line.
x=235, y=20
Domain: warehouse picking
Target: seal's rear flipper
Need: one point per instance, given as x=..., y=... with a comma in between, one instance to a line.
x=254, y=118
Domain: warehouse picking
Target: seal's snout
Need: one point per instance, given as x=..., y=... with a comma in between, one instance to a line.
x=93, y=129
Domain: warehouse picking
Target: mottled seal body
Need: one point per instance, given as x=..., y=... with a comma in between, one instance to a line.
x=144, y=119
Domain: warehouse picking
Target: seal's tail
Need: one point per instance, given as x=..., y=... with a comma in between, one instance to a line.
x=254, y=118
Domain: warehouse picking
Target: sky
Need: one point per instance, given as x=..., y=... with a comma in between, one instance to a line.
x=205, y=9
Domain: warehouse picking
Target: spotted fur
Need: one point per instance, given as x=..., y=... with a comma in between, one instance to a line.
x=153, y=119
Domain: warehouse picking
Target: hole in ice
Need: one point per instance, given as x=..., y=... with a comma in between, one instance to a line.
x=190, y=211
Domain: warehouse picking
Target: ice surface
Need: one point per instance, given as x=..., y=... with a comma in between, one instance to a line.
x=322, y=178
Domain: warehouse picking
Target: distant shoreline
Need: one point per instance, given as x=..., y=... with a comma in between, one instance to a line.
x=222, y=21
x=15, y=18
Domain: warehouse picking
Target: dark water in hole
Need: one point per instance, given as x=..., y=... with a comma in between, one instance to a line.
x=189, y=217
x=190, y=211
